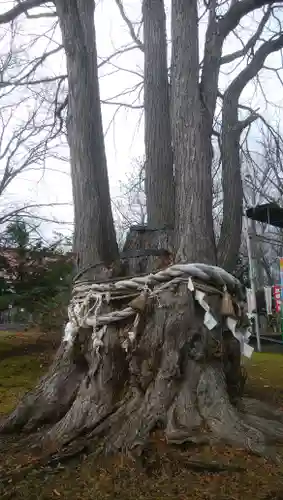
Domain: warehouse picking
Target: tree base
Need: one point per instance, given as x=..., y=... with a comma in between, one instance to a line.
x=163, y=368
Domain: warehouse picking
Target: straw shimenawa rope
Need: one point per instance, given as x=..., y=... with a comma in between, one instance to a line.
x=88, y=298
x=82, y=314
x=203, y=272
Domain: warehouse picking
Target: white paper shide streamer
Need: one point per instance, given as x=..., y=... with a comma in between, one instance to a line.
x=210, y=322
x=268, y=299
x=251, y=302
x=70, y=332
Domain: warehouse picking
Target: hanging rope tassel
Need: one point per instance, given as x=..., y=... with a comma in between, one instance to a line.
x=139, y=303
x=227, y=308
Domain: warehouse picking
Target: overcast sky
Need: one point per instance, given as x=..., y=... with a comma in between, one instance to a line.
x=124, y=132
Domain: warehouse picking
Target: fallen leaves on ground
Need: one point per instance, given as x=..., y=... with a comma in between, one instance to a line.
x=165, y=474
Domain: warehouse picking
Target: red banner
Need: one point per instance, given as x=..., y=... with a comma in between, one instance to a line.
x=277, y=297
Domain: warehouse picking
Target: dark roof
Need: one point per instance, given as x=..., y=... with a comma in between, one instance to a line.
x=269, y=213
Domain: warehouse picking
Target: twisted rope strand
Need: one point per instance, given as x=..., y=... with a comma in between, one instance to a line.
x=83, y=294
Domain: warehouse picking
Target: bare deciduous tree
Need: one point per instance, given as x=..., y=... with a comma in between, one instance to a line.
x=262, y=177
x=177, y=373
x=30, y=134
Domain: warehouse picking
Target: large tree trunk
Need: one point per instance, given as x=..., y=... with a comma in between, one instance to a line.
x=159, y=181
x=231, y=227
x=153, y=363
x=95, y=238
x=191, y=141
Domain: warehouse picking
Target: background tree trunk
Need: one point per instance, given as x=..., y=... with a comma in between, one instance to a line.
x=191, y=141
x=95, y=238
x=159, y=181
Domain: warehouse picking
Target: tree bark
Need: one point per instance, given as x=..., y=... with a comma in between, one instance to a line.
x=159, y=181
x=95, y=238
x=155, y=247
x=214, y=40
x=231, y=227
x=191, y=141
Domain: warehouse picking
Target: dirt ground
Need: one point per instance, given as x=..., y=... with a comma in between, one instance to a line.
x=164, y=473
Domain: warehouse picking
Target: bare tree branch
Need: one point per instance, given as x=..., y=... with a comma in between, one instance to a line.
x=242, y=124
x=20, y=8
x=23, y=212
x=217, y=31
x=117, y=53
x=129, y=24
x=251, y=42
x=122, y=104
x=28, y=133
x=20, y=83
x=52, y=13
x=237, y=11
x=252, y=69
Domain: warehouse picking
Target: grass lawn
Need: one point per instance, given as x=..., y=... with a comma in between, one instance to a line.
x=22, y=361
x=23, y=358
x=265, y=377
